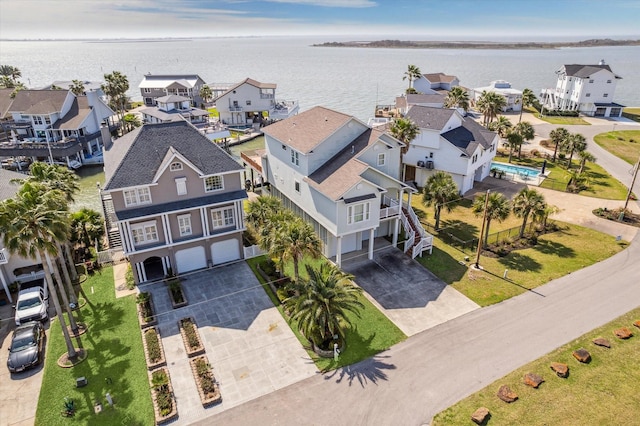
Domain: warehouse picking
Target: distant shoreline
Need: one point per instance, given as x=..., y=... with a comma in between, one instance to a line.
x=407, y=44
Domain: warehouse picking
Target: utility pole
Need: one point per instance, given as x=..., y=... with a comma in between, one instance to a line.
x=633, y=181
x=484, y=221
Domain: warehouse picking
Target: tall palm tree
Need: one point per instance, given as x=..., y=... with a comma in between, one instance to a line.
x=526, y=203
x=405, y=131
x=412, y=73
x=130, y=122
x=30, y=224
x=206, y=93
x=524, y=129
x=498, y=208
x=273, y=232
x=574, y=143
x=115, y=88
x=514, y=140
x=10, y=71
x=457, y=98
x=77, y=87
x=323, y=302
x=501, y=126
x=87, y=225
x=440, y=191
x=490, y=104
x=558, y=137
x=541, y=216
x=297, y=239
x=528, y=99
x=261, y=209
x=584, y=157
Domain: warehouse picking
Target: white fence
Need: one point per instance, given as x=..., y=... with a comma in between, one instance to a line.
x=253, y=251
x=112, y=256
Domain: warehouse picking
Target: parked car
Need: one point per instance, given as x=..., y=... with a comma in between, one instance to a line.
x=32, y=303
x=26, y=347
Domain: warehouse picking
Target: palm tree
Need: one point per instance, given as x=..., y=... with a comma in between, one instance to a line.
x=584, y=157
x=528, y=99
x=514, y=140
x=524, y=129
x=526, y=203
x=412, y=73
x=206, y=93
x=87, y=226
x=30, y=224
x=115, y=87
x=498, y=208
x=274, y=232
x=542, y=216
x=130, y=122
x=322, y=303
x=10, y=71
x=77, y=87
x=501, y=126
x=440, y=190
x=457, y=98
x=490, y=104
x=405, y=131
x=558, y=137
x=574, y=143
x=260, y=210
x=297, y=240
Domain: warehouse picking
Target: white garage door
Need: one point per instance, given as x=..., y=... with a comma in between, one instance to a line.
x=225, y=251
x=191, y=259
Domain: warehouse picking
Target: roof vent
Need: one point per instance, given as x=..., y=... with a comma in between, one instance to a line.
x=353, y=149
x=601, y=62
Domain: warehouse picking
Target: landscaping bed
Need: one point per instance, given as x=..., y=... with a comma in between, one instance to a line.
x=146, y=312
x=630, y=218
x=191, y=337
x=153, y=350
x=164, y=403
x=176, y=293
x=205, y=381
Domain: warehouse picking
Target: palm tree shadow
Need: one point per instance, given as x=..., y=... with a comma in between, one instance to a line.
x=552, y=247
x=370, y=370
x=519, y=262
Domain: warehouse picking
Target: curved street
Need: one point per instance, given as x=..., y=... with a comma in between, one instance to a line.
x=416, y=379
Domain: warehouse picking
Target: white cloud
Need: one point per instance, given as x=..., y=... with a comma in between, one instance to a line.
x=330, y=3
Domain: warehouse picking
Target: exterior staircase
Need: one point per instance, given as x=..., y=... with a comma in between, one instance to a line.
x=113, y=234
x=418, y=240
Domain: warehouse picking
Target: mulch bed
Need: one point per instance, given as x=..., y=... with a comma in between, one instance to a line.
x=630, y=218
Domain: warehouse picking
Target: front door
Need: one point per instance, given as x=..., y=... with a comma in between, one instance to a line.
x=410, y=174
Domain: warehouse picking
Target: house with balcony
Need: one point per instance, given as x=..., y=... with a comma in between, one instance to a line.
x=13, y=267
x=56, y=125
x=587, y=89
x=343, y=177
x=435, y=82
x=386, y=113
x=172, y=200
x=154, y=86
x=512, y=97
x=450, y=143
x=246, y=104
x=175, y=108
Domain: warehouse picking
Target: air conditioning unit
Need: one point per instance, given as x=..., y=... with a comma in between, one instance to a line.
x=429, y=164
x=420, y=163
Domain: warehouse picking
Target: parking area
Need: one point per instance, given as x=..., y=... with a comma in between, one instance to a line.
x=249, y=345
x=407, y=293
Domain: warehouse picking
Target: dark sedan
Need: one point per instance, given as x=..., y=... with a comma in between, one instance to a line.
x=26, y=347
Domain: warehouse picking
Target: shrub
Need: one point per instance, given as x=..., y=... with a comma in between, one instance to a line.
x=176, y=290
x=202, y=367
x=535, y=152
x=207, y=382
x=153, y=345
x=144, y=301
x=192, y=336
x=128, y=278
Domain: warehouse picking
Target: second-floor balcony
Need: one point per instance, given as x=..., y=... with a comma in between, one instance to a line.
x=37, y=147
x=283, y=109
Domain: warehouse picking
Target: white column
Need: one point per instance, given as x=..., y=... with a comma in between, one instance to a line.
x=167, y=229
x=339, y=251
x=205, y=222
x=6, y=287
x=396, y=225
x=371, y=237
x=409, y=200
x=400, y=195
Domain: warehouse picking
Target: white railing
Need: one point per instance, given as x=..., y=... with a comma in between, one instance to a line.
x=426, y=239
x=253, y=251
x=391, y=211
x=111, y=256
x=4, y=256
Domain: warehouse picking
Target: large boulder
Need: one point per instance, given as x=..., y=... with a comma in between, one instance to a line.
x=602, y=342
x=533, y=380
x=506, y=394
x=623, y=333
x=582, y=355
x=637, y=323
x=480, y=415
x=562, y=370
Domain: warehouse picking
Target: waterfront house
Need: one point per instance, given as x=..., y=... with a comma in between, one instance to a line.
x=428, y=83
x=587, y=89
x=56, y=124
x=172, y=200
x=13, y=267
x=175, y=108
x=512, y=97
x=154, y=86
x=450, y=143
x=343, y=177
x=247, y=103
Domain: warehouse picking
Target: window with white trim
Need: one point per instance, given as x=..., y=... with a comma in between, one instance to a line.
x=295, y=157
x=382, y=159
x=174, y=167
x=37, y=120
x=358, y=213
x=213, y=183
x=181, y=185
x=136, y=197
x=144, y=233
x=184, y=224
x=146, y=90
x=222, y=218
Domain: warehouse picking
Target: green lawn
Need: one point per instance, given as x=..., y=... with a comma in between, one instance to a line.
x=115, y=363
x=605, y=391
x=624, y=144
x=565, y=121
x=213, y=112
x=371, y=332
x=601, y=183
x=557, y=254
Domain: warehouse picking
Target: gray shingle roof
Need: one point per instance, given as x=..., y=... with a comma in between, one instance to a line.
x=38, y=101
x=134, y=159
x=468, y=136
x=429, y=117
x=585, y=71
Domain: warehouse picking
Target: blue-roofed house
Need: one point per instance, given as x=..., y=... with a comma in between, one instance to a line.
x=173, y=200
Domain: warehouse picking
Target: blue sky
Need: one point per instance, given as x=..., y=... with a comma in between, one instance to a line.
x=371, y=19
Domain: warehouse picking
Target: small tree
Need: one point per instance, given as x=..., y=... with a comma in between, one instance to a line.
x=440, y=191
x=412, y=73
x=558, y=137
x=498, y=208
x=526, y=203
x=457, y=98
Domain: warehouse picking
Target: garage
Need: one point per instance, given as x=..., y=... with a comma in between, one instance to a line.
x=190, y=259
x=225, y=251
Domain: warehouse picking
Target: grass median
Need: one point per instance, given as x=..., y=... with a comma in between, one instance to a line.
x=623, y=144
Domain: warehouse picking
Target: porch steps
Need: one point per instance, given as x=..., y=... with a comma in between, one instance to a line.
x=113, y=234
x=418, y=238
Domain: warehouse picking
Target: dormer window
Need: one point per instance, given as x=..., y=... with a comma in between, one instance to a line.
x=174, y=167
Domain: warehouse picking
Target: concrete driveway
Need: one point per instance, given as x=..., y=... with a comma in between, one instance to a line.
x=407, y=293
x=249, y=345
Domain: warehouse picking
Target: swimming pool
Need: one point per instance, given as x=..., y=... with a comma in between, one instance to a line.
x=516, y=170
